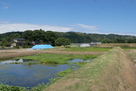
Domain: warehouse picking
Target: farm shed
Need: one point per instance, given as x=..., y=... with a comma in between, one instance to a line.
x=38, y=47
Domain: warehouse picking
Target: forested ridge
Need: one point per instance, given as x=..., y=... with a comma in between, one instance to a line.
x=49, y=37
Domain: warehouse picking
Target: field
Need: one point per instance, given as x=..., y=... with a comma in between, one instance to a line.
x=117, y=45
x=50, y=54
x=57, y=58
x=113, y=71
x=9, y=54
x=92, y=49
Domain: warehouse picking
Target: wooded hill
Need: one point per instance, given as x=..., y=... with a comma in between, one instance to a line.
x=75, y=37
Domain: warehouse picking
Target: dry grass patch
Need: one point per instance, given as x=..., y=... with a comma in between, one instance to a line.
x=8, y=54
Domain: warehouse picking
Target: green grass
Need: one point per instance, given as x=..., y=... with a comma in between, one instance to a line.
x=93, y=49
x=58, y=58
x=5, y=58
x=4, y=87
x=64, y=73
x=92, y=74
x=39, y=87
x=128, y=48
x=87, y=74
x=80, y=63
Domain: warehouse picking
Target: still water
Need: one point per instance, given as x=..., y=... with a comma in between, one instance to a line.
x=26, y=75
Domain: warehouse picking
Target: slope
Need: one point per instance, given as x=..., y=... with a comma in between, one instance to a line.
x=112, y=71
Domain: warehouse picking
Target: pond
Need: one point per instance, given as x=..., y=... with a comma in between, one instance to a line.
x=21, y=73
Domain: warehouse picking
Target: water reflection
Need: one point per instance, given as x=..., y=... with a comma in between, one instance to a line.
x=11, y=61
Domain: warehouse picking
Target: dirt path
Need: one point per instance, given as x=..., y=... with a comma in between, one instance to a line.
x=113, y=71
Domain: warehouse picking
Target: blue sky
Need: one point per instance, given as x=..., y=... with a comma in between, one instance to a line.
x=87, y=16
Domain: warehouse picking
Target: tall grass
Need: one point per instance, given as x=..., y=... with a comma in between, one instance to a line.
x=58, y=58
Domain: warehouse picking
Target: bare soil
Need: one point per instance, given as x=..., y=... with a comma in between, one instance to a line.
x=25, y=52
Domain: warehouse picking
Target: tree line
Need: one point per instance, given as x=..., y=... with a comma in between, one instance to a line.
x=40, y=36
x=63, y=38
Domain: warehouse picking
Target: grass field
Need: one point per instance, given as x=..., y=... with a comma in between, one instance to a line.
x=117, y=45
x=112, y=71
x=58, y=58
x=128, y=48
x=91, y=49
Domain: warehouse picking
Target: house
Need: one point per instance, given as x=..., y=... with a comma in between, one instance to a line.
x=18, y=42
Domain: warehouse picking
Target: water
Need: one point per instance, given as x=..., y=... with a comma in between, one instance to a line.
x=26, y=75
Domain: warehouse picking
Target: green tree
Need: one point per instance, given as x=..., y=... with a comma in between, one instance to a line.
x=51, y=37
x=4, y=43
x=63, y=41
x=131, y=41
x=28, y=35
x=16, y=35
x=106, y=40
x=39, y=35
x=119, y=40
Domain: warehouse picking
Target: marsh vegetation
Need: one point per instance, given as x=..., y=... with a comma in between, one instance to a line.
x=58, y=58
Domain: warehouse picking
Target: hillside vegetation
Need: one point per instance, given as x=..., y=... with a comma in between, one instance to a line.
x=112, y=71
x=57, y=38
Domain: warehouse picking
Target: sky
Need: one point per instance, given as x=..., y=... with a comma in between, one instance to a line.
x=86, y=16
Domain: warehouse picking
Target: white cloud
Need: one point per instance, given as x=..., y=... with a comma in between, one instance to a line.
x=6, y=27
x=6, y=7
x=87, y=27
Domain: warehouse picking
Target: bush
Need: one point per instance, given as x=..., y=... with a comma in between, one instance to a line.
x=16, y=47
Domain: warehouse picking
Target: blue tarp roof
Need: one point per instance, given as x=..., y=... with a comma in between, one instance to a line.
x=41, y=47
